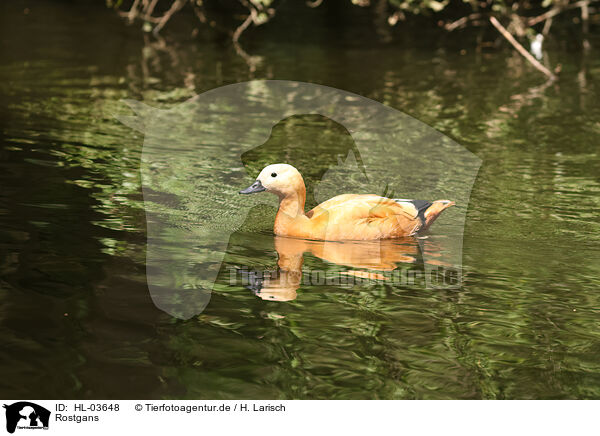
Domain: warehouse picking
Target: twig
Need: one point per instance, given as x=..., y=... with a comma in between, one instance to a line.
x=585, y=16
x=462, y=22
x=133, y=11
x=150, y=19
x=555, y=11
x=546, y=15
x=240, y=29
x=150, y=8
x=547, y=25
x=516, y=23
x=199, y=13
x=521, y=49
x=177, y=4
x=585, y=24
x=314, y=4
x=251, y=61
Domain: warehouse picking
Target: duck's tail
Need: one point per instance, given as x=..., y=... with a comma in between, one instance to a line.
x=433, y=211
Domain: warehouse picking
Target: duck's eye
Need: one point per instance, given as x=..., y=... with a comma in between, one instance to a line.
x=273, y=174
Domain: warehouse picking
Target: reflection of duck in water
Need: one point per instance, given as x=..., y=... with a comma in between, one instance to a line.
x=345, y=217
x=370, y=258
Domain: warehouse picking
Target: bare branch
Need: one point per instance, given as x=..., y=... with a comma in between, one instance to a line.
x=314, y=4
x=240, y=29
x=150, y=9
x=521, y=49
x=462, y=22
x=547, y=25
x=555, y=11
x=585, y=24
x=133, y=11
x=177, y=4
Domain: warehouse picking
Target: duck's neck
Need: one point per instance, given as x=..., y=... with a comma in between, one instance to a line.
x=291, y=209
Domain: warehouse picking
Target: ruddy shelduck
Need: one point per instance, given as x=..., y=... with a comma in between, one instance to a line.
x=344, y=217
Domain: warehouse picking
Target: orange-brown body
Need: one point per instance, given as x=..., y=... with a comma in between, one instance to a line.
x=345, y=217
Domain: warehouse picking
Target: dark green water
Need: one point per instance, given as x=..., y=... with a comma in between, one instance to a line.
x=76, y=317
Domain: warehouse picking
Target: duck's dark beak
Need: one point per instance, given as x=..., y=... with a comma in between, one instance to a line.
x=255, y=187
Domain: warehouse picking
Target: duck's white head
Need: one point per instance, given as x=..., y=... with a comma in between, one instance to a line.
x=282, y=180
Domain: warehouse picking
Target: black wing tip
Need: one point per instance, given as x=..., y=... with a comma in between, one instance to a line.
x=421, y=206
